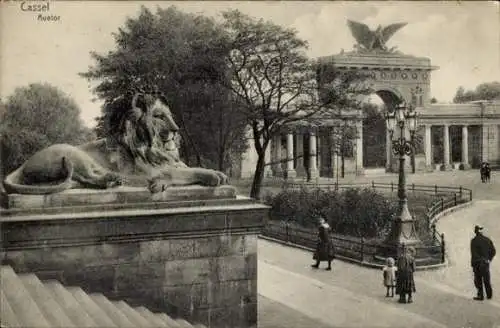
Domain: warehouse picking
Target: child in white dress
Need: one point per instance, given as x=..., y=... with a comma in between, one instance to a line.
x=390, y=276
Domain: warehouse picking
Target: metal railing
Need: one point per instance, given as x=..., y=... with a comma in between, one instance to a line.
x=364, y=250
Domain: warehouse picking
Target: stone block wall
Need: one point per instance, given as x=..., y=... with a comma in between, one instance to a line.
x=196, y=263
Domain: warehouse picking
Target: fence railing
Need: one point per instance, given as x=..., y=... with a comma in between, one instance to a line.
x=364, y=250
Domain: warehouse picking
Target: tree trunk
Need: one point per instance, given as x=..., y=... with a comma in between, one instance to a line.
x=221, y=165
x=342, y=174
x=258, y=176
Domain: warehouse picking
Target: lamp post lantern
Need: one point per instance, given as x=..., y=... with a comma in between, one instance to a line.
x=403, y=118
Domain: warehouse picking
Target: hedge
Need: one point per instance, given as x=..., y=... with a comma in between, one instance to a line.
x=354, y=212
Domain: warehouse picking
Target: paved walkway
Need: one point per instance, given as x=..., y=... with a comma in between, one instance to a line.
x=295, y=296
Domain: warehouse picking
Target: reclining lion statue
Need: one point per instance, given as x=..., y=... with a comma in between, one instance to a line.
x=140, y=150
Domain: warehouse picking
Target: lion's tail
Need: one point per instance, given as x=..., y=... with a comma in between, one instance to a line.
x=12, y=186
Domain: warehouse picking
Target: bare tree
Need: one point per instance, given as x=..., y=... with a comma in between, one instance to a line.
x=275, y=82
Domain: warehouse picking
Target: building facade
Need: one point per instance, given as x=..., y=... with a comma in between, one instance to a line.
x=452, y=136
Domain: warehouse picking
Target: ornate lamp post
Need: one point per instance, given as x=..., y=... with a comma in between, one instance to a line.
x=404, y=119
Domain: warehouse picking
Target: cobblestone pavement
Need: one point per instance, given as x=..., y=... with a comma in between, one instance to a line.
x=353, y=296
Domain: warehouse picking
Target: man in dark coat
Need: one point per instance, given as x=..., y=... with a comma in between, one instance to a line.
x=324, y=247
x=482, y=253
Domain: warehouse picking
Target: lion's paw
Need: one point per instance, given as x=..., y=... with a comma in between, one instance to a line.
x=114, y=184
x=223, y=179
x=114, y=180
x=211, y=178
x=156, y=186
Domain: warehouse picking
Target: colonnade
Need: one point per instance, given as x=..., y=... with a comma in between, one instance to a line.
x=446, y=146
x=292, y=158
x=298, y=162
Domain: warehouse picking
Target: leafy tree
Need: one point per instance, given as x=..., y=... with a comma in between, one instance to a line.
x=181, y=55
x=484, y=91
x=275, y=83
x=36, y=116
x=488, y=91
x=100, y=129
x=434, y=100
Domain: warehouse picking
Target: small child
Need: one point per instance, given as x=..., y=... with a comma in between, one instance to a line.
x=390, y=276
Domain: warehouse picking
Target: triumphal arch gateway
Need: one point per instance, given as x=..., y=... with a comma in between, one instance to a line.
x=450, y=136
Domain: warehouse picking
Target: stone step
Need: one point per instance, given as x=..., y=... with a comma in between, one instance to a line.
x=51, y=309
x=96, y=313
x=70, y=305
x=28, y=302
x=170, y=322
x=198, y=325
x=7, y=316
x=115, y=314
x=22, y=304
x=133, y=315
x=151, y=317
x=183, y=323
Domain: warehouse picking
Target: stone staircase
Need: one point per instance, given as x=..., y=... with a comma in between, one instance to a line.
x=25, y=301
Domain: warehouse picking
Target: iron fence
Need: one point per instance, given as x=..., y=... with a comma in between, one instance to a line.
x=364, y=250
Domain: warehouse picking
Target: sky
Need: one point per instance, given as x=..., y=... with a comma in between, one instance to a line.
x=462, y=38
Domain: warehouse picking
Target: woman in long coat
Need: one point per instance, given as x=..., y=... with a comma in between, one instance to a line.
x=405, y=282
x=324, y=246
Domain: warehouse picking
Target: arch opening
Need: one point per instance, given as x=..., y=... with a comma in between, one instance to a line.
x=375, y=152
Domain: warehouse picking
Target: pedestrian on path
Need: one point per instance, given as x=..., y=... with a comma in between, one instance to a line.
x=405, y=283
x=324, y=246
x=482, y=253
x=389, y=273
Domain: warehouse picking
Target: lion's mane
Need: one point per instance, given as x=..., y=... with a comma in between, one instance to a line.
x=131, y=126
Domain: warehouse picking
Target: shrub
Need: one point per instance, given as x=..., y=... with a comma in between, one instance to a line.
x=354, y=212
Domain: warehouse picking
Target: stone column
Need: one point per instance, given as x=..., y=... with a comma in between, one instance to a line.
x=465, y=148
x=484, y=142
x=332, y=142
x=276, y=156
x=318, y=153
x=290, y=171
x=335, y=164
x=313, y=168
x=446, y=147
x=299, y=168
x=267, y=158
x=428, y=147
x=359, y=148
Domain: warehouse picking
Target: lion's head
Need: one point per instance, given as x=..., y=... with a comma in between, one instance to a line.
x=143, y=125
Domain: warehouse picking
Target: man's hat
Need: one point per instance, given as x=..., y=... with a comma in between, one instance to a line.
x=477, y=228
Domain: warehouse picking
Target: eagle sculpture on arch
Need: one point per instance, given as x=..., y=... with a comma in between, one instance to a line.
x=368, y=40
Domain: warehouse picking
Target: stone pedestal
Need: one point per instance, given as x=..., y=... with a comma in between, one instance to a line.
x=190, y=251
